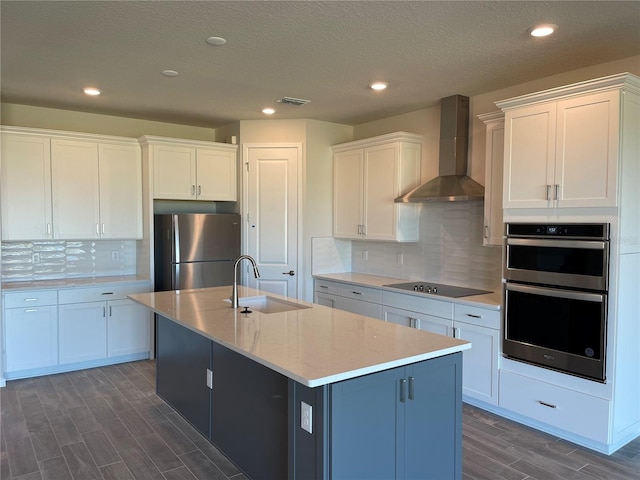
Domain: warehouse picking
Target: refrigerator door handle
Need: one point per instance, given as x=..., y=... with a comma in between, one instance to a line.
x=176, y=239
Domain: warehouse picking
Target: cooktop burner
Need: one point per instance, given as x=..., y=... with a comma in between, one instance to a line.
x=438, y=289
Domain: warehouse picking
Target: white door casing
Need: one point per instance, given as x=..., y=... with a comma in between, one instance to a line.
x=271, y=180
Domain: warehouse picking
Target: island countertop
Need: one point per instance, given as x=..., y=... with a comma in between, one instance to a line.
x=314, y=346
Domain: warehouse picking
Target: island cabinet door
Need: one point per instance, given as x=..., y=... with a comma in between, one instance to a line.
x=182, y=360
x=403, y=423
x=431, y=444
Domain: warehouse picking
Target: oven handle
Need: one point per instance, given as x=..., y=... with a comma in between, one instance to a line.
x=556, y=292
x=586, y=244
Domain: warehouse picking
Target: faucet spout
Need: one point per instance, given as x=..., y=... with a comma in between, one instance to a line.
x=256, y=274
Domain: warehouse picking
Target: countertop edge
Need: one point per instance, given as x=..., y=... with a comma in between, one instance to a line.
x=63, y=284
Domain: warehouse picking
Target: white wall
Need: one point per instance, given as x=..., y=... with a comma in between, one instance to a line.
x=56, y=119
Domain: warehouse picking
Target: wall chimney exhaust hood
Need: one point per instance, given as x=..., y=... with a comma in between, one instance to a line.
x=452, y=184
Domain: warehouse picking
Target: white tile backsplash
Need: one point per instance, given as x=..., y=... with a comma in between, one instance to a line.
x=60, y=259
x=330, y=255
x=449, y=251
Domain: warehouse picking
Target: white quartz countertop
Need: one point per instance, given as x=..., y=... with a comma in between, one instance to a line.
x=71, y=283
x=491, y=300
x=313, y=346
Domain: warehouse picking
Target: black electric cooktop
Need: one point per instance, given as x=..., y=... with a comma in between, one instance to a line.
x=438, y=289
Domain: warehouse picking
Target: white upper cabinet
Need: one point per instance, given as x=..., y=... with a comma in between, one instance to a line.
x=494, y=158
x=368, y=175
x=26, y=182
x=75, y=187
x=63, y=185
x=562, y=146
x=192, y=170
x=120, y=170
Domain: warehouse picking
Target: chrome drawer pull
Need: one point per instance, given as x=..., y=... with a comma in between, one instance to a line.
x=357, y=293
x=31, y=299
x=323, y=286
x=474, y=316
x=29, y=310
x=545, y=404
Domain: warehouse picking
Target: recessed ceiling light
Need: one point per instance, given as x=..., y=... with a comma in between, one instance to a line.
x=169, y=73
x=268, y=111
x=543, y=30
x=216, y=41
x=92, y=91
x=379, y=86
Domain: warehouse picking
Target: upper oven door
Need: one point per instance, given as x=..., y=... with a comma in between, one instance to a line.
x=570, y=263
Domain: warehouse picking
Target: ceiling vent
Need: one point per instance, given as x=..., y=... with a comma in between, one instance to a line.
x=293, y=101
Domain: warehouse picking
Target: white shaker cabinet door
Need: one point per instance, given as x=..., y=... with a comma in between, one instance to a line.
x=174, y=172
x=83, y=331
x=480, y=365
x=26, y=187
x=75, y=188
x=381, y=188
x=216, y=174
x=529, y=163
x=587, y=150
x=31, y=337
x=128, y=329
x=348, y=194
x=120, y=171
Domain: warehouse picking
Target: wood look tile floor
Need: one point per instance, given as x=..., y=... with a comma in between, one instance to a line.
x=107, y=423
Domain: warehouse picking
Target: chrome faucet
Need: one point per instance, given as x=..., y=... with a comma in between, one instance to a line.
x=256, y=273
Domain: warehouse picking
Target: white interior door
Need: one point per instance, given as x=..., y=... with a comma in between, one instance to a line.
x=271, y=206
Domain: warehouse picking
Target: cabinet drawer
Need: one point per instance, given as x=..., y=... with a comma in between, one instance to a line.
x=32, y=298
x=559, y=407
x=427, y=306
x=357, y=292
x=99, y=294
x=324, y=286
x=482, y=317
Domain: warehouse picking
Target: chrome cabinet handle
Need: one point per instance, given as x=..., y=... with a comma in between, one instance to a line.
x=545, y=404
x=48, y=229
x=110, y=314
x=411, y=388
x=104, y=311
x=364, y=229
x=403, y=390
x=193, y=189
x=548, y=192
x=356, y=293
x=291, y=273
x=486, y=231
x=557, y=190
x=97, y=229
x=30, y=299
x=473, y=316
x=28, y=310
x=199, y=190
x=323, y=286
x=103, y=228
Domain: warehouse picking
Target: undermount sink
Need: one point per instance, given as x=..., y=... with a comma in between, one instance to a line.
x=267, y=304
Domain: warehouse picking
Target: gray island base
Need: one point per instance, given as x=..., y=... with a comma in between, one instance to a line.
x=400, y=419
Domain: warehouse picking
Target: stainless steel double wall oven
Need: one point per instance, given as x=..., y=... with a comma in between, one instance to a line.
x=555, y=296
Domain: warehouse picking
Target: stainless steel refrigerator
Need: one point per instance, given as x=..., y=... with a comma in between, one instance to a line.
x=195, y=250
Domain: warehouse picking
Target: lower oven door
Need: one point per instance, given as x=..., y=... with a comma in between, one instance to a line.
x=560, y=329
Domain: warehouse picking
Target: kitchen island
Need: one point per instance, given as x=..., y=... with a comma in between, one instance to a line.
x=309, y=392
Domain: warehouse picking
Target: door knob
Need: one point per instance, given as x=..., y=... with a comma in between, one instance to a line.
x=290, y=272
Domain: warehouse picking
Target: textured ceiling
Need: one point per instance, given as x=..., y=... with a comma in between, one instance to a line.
x=327, y=52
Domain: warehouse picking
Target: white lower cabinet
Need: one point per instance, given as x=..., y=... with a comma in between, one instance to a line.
x=128, y=328
x=560, y=407
x=348, y=297
x=93, y=328
x=83, y=332
x=30, y=330
x=53, y=331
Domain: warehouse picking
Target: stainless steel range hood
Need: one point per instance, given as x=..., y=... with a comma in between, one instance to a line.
x=452, y=184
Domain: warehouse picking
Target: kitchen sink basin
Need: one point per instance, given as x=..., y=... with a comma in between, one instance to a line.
x=267, y=304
